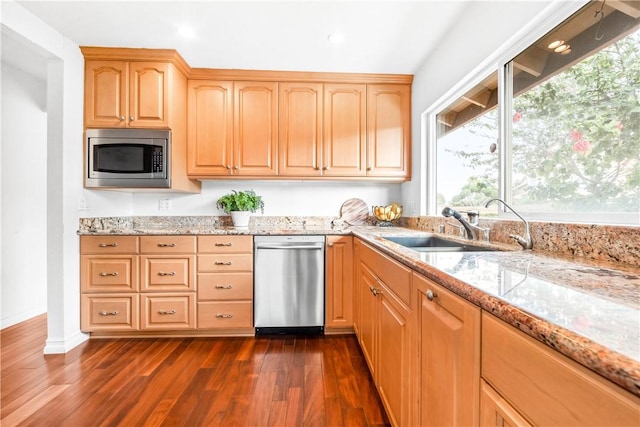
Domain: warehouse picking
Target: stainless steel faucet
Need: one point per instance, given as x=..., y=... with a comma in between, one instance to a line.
x=470, y=225
x=524, y=241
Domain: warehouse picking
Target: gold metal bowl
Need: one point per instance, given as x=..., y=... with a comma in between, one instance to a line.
x=387, y=213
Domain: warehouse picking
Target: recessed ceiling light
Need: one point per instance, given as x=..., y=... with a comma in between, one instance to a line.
x=186, y=31
x=555, y=44
x=561, y=48
x=336, y=37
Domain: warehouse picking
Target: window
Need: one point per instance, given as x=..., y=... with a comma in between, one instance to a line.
x=466, y=149
x=572, y=137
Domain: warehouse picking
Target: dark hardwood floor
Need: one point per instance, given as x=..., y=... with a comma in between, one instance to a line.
x=282, y=381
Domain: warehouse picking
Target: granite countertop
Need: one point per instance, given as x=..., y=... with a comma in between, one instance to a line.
x=589, y=312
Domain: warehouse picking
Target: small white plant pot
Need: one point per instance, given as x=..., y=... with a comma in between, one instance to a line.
x=240, y=218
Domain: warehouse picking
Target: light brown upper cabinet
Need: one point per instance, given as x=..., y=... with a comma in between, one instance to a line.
x=388, y=130
x=210, y=127
x=300, y=129
x=255, y=126
x=126, y=94
x=232, y=128
x=344, y=129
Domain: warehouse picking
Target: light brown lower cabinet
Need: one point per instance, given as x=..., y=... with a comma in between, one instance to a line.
x=168, y=311
x=545, y=387
x=339, y=283
x=448, y=364
x=225, y=283
x=496, y=412
x=385, y=329
x=109, y=312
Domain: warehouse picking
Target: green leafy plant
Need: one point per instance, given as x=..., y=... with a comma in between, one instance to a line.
x=241, y=201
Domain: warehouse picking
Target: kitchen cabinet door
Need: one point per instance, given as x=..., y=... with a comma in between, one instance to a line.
x=148, y=93
x=496, y=412
x=300, y=129
x=210, y=127
x=255, y=125
x=339, y=286
x=394, y=356
x=344, y=132
x=388, y=130
x=448, y=345
x=368, y=315
x=105, y=87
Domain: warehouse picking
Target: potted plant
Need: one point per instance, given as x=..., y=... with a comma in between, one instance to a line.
x=240, y=204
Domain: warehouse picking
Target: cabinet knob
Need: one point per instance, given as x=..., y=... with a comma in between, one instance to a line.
x=108, y=245
x=114, y=274
x=130, y=118
x=107, y=313
x=431, y=295
x=121, y=118
x=369, y=169
x=162, y=273
x=330, y=245
x=236, y=167
x=326, y=168
x=374, y=291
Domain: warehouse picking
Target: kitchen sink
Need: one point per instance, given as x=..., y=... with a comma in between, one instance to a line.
x=432, y=243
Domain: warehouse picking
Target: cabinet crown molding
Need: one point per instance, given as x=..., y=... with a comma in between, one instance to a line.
x=172, y=56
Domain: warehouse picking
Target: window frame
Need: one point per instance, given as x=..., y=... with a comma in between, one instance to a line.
x=501, y=62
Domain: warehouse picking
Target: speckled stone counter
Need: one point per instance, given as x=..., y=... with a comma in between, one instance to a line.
x=588, y=311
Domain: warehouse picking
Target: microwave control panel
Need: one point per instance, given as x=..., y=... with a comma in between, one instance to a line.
x=157, y=159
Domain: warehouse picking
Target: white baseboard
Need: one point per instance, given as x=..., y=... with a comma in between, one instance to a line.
x=56, y=346
x=20, y=317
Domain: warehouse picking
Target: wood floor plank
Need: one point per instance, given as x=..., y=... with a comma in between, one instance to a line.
x=253, y=381
x=33, y=405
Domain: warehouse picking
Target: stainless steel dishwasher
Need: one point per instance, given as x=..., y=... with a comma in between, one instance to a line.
x=289, y=284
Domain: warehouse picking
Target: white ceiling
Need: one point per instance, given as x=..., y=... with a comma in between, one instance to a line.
x=380, y=36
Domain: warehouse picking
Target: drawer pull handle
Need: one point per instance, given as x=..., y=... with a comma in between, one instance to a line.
x=166, y=245
x=224, y=287
x=224, y=316
x=162, y=273
x=166, y=312
x=114, y=274
x=223, y=244
x=223, y=263
x=431, y=295
x=108, y=313
x=108, y=245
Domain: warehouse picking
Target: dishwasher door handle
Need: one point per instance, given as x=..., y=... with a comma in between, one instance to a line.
x=315, y=248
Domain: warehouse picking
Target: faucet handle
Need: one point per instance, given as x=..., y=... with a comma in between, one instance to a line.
x=474, y=217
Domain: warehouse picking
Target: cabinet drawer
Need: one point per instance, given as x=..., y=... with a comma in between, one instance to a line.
x=546, y=387
x=167, y=273
x=225, y=286
x=225, y=244
x=396, y=276
x=225, y=262
x=168, y=244
x=228, y=314
x=168, y=311
x=100, y=273
x=108, y=244
x=115, y=312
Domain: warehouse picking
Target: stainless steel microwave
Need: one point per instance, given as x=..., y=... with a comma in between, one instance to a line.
x=135, y=158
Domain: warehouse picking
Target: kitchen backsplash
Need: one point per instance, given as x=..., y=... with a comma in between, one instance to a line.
x=609, y=243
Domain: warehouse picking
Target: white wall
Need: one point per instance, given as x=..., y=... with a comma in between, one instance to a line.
x=281, y=198
x=484, y=28
x=64, y=94
x=24, y=196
